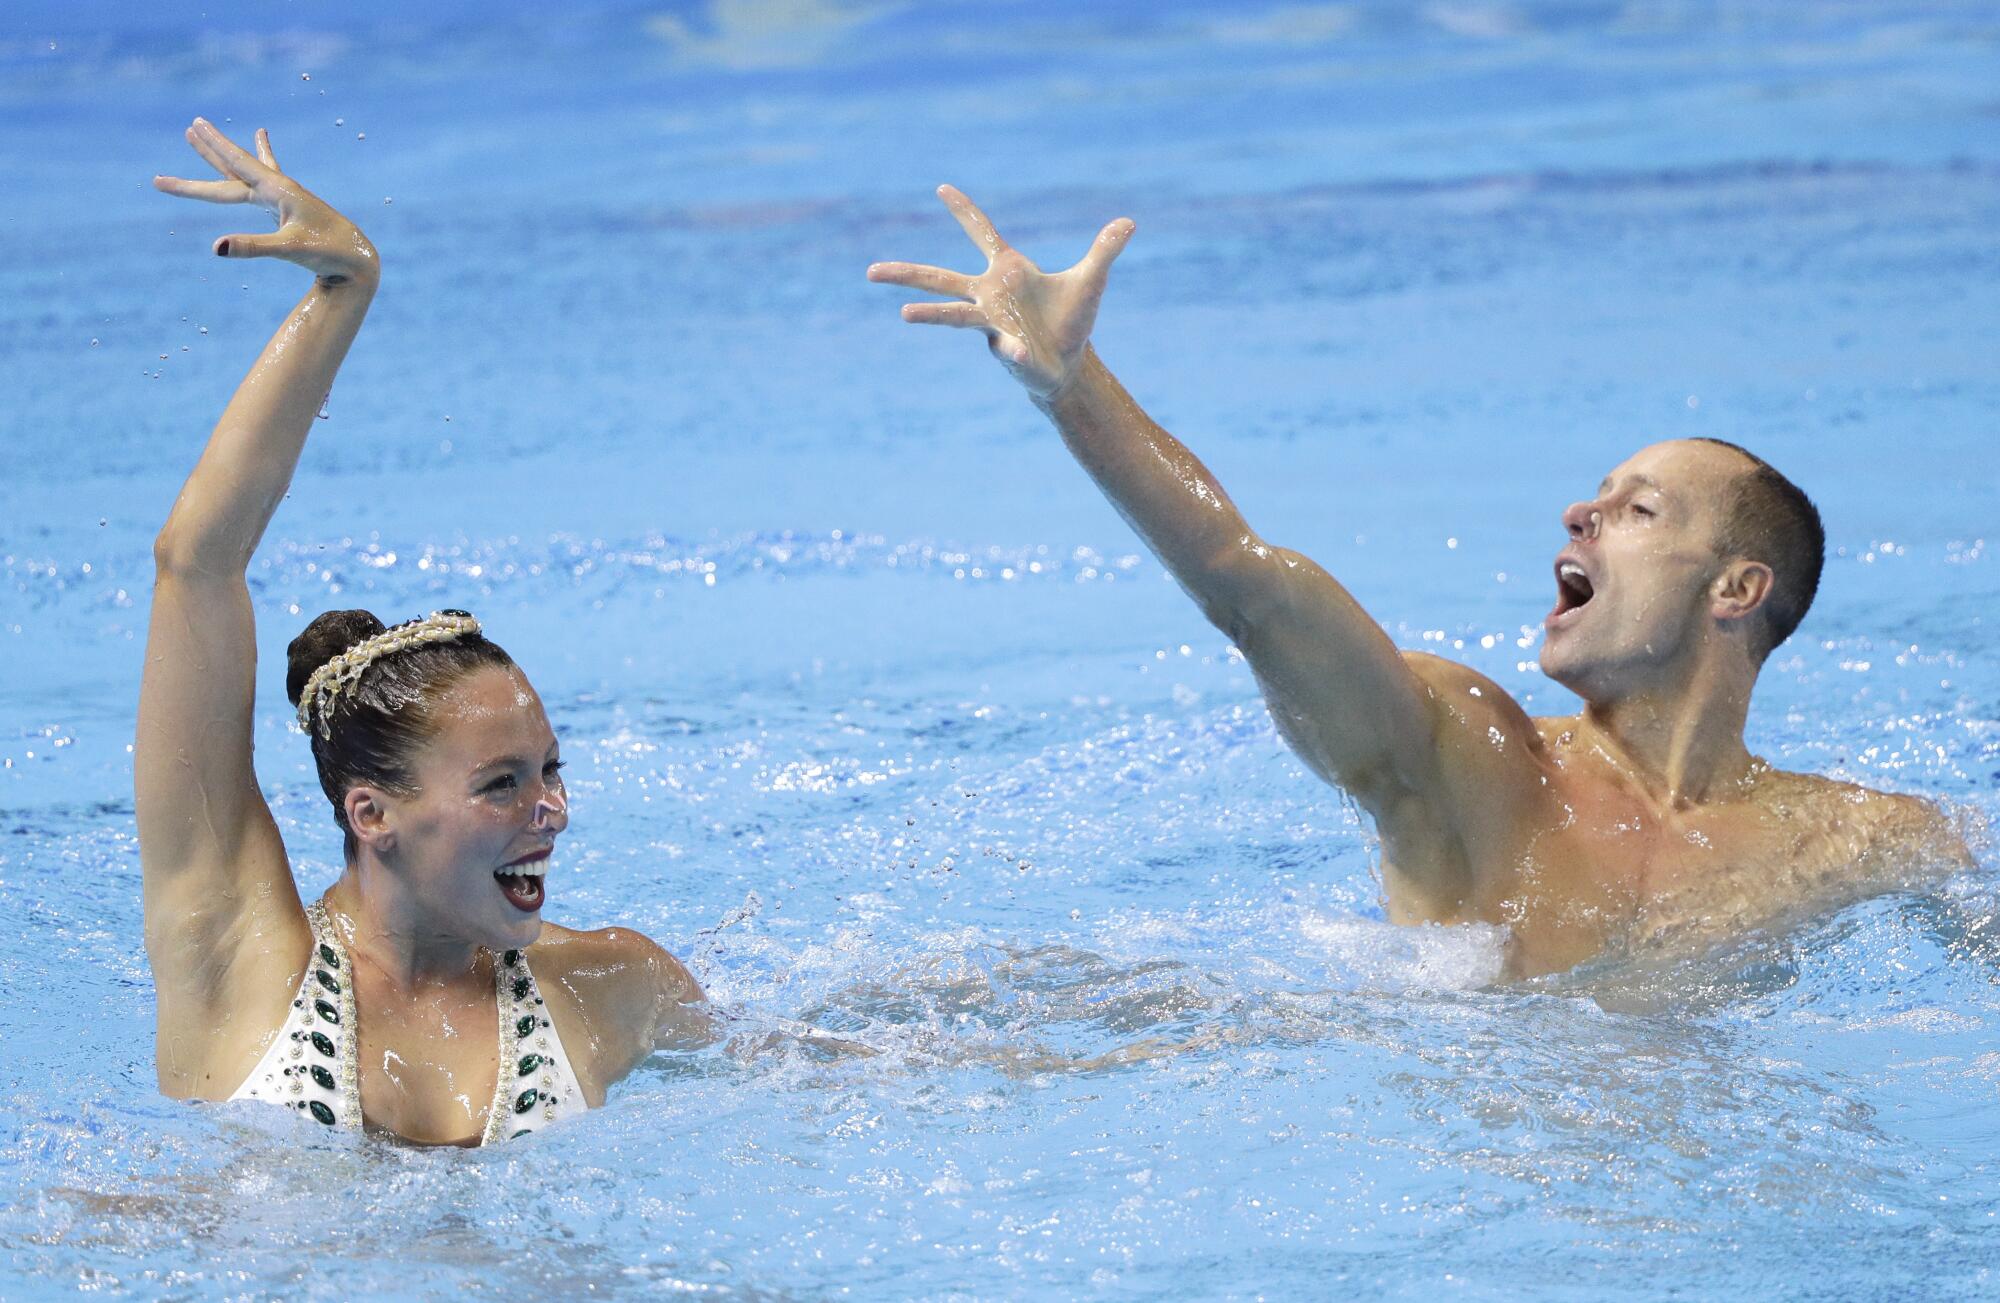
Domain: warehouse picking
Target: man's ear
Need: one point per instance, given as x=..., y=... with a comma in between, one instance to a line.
x=1740, y=589
x=368, y=817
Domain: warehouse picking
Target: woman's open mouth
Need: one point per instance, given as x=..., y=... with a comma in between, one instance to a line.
x=521, y=882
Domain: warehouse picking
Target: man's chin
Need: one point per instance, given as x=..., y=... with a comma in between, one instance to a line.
x=1569, y=671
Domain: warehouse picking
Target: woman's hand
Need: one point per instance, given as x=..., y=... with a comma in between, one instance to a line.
x=310, y=233
x=1037, y=323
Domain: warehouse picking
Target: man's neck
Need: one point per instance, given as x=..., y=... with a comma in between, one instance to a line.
x=1682, y=746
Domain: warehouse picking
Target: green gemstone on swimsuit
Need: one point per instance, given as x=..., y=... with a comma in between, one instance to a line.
x=518, y=1134
x=512, y=957
x=326, y=980
x=520, y=988
x=322, y=1044
x=323, y=1077
x=529, y=1063
x=322, y=1112
x=525, y=1025
x=327, y=956
x=526, y=1100
x=327, y=1012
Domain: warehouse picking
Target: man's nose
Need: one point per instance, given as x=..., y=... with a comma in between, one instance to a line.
x=1582, y=520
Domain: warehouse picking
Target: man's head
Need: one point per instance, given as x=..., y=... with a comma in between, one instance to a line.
x=1690, y=544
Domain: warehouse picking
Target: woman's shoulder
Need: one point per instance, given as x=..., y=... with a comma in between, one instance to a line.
x=611, y=957
x=615, y=985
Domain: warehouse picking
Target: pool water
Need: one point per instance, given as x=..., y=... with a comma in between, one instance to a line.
x=880, y=719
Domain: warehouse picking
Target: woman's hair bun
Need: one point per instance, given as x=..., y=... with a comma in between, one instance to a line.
x=325, y=638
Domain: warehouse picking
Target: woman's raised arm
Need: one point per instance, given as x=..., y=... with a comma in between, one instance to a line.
x=224, y=928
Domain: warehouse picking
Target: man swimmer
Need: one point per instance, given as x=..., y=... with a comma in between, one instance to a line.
x=1641, y=818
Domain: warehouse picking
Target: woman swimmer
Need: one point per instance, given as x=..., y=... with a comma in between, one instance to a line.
x=423, y=996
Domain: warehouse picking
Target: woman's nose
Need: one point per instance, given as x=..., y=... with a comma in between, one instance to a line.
x=552, y=810
x=1582, y=520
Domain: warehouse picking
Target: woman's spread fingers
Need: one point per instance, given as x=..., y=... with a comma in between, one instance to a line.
x=214, y=192
x=249, y=246
x=208, y=149
x=975, y=223
x=965, y=316
x=916, y=276
x=234, y=159
x=264, y=154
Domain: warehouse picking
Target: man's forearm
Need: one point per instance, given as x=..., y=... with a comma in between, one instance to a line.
x=1161, y=488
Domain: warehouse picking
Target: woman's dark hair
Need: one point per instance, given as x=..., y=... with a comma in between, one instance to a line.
x=373, y=728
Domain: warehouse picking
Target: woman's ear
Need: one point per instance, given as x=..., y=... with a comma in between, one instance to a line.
x=1742, y=587
x=368, y=817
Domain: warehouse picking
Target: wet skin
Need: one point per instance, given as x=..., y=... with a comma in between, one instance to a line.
x=1641, y=820
x=419, y=907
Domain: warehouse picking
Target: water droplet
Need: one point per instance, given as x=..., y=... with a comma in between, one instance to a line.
x=305, y=76
x=93, y=343
x=361, y=135
x=1694, y=401
x=204, y=330
x=340, y=122
x=386, y=201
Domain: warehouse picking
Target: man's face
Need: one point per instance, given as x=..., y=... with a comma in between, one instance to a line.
x=1633, y=585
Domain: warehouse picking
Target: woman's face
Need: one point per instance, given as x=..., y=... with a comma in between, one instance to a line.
x=475, y=839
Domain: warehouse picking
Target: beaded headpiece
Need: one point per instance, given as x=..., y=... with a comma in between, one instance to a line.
x=345, y=670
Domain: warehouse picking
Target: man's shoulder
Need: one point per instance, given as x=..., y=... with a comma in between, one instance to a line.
x=1874, y=818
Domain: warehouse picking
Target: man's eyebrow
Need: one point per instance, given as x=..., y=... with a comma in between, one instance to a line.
x=1643, y=481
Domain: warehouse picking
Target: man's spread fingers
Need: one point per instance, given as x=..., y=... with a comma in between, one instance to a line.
x=934, y=280
x=965, y=316
x=974, y=222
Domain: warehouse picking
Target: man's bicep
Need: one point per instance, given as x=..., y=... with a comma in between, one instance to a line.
x=1339, y=690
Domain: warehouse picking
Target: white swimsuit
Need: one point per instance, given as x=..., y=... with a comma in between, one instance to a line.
x=310, y=1066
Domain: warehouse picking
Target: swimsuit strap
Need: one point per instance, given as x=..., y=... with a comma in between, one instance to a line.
x=310, y=1064
x=332, y=975
x=536, y=1084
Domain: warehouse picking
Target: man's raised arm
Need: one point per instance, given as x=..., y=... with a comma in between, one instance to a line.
x=1340, y=691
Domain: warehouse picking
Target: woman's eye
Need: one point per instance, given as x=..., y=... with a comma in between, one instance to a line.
x=1639, y=510
x=504, y=783
x=554, y=767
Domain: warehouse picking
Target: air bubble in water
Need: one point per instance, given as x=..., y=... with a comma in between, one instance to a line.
x=305, y=76
x=340, y=122
x=361, y=135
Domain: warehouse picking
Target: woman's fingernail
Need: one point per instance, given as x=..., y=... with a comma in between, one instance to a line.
x=222, y=248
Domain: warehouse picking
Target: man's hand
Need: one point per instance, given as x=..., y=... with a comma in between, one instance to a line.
x=1036, y=323
x=310, y=233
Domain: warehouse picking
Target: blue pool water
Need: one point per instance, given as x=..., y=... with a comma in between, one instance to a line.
x=880, y=718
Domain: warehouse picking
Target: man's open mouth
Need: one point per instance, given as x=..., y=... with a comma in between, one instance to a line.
x=1573, y=589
